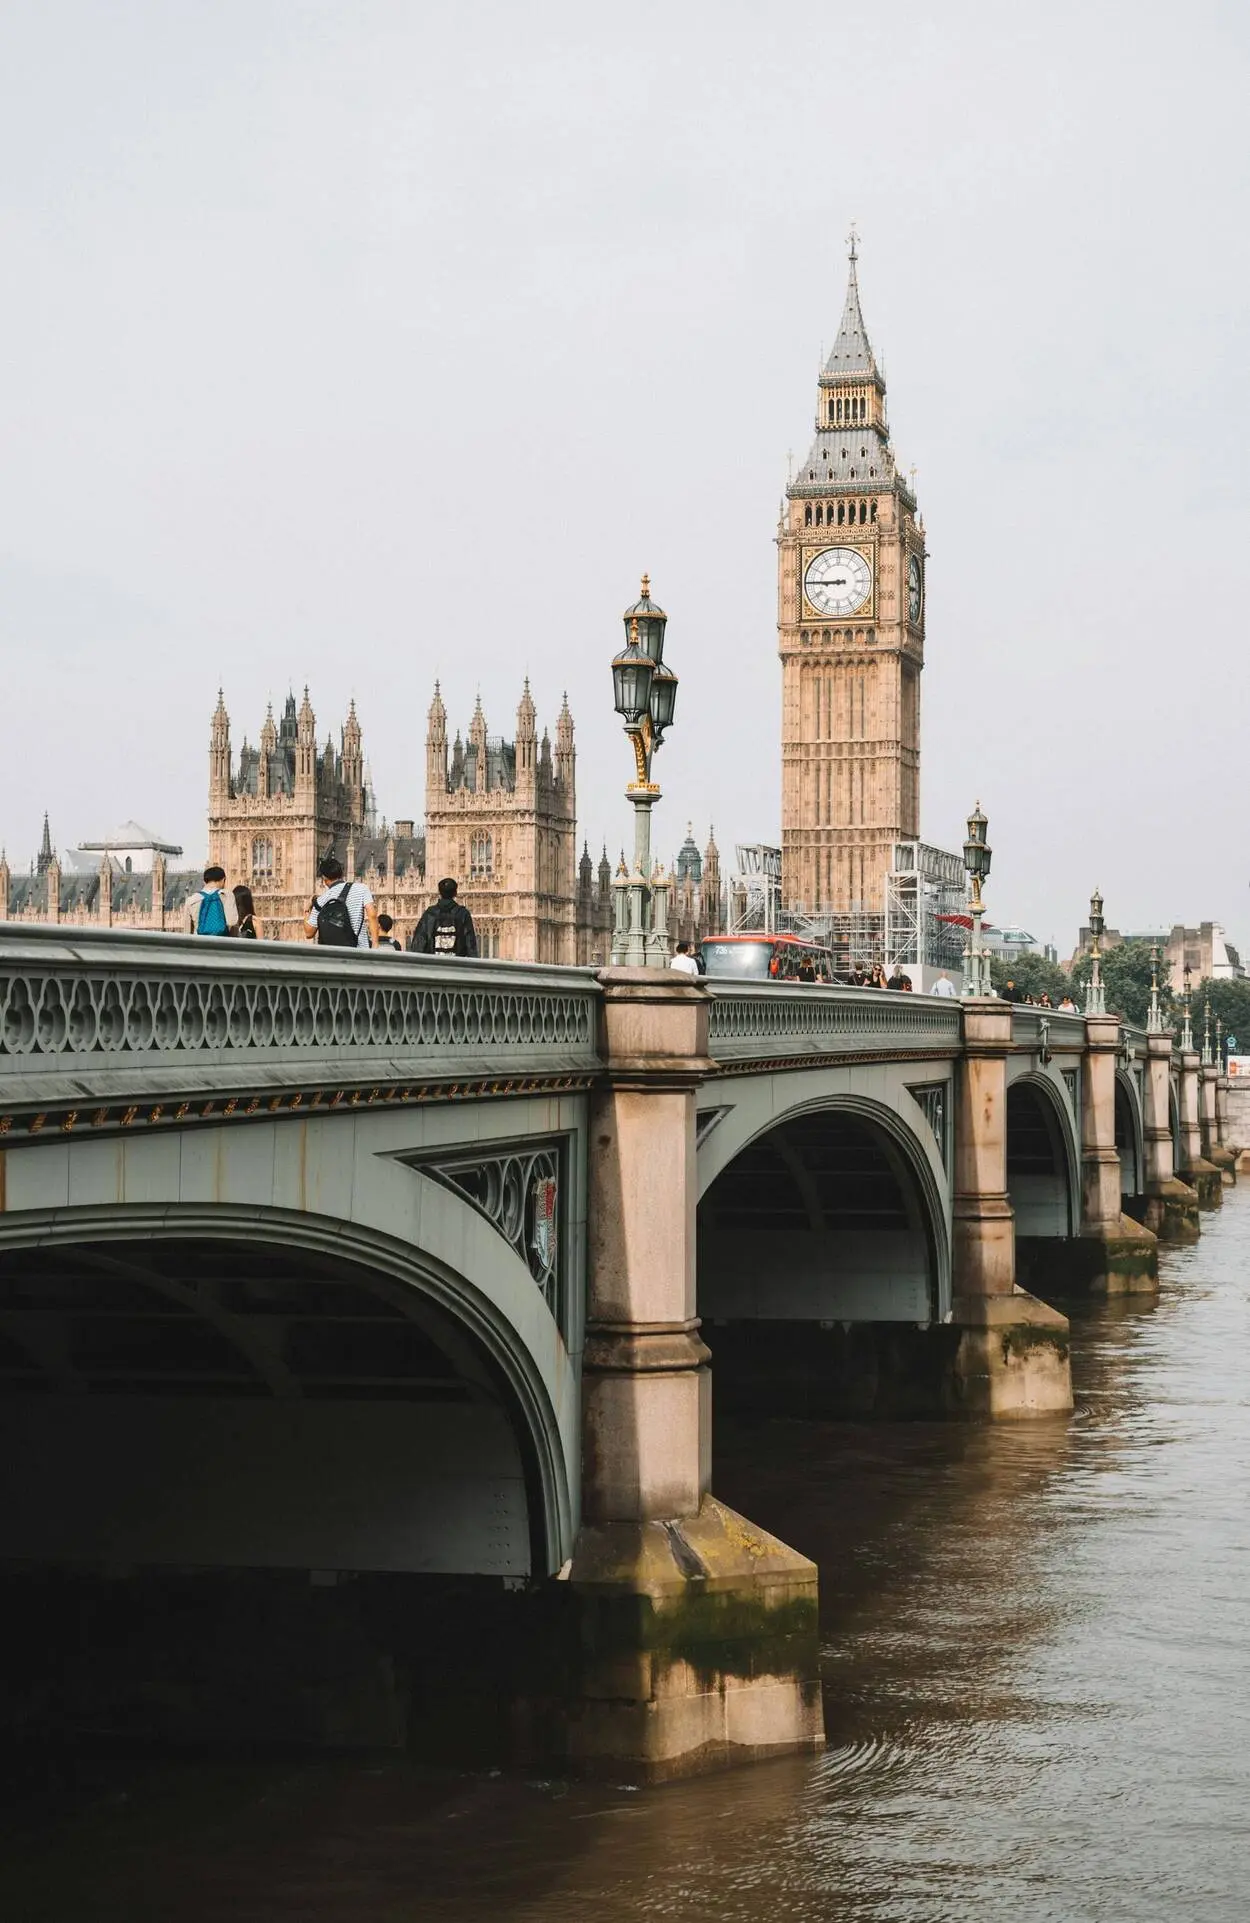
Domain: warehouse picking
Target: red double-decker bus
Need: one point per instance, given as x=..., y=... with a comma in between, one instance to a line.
x=762, y=958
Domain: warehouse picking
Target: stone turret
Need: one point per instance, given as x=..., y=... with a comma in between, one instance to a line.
x=47, y=853
x=268, y=749
x=353, y=759
x=477, y=741
x=526, y=742
x=565, y=757
x=436, y=749
x=219, y=756
x=306, y=754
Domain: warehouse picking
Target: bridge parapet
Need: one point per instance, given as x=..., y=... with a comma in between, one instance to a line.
x=98, y=1017
x=1033, y=1027
x=762, y=1022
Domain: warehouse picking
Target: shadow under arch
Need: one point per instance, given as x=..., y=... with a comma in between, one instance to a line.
x=831, y=1212
x=1043, y=1164
x=1129, y=1137
x=444, y=1341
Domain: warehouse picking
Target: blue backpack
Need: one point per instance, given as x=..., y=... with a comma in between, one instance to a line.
x=211, y=918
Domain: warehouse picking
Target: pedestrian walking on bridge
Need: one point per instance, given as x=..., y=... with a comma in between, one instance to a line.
x=446, y=927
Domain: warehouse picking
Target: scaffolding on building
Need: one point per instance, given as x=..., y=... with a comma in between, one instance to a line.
x=917, y=923
x=925, y=907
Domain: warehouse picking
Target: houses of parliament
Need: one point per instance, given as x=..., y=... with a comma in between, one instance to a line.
x=500, y=814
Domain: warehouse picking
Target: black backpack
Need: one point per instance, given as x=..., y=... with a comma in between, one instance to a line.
x=335, y=928
x=445, y=934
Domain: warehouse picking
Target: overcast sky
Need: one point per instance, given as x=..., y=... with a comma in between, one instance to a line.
x=359, y=343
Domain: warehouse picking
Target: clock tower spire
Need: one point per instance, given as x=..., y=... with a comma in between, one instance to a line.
x=850, y=623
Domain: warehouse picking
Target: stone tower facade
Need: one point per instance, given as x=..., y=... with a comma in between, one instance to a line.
x=850, y=622
x=501, y=816
x=286, y=805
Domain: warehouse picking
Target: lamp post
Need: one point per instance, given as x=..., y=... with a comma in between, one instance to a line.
x=1187, y=1027
x=1219, y=1045
x=645, y=693
x=977, y=853
x=1154, y=1019
x=1096, y=1000
x=1207, y=1057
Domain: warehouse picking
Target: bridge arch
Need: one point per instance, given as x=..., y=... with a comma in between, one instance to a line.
x=1043, y=1157
x=1129, y=1135
x=833, y=1209
x=295, y=1346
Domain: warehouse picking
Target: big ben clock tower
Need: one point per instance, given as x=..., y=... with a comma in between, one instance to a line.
x=850, y=622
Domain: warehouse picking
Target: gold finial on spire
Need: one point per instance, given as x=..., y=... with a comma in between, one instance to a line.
x=646, y=587
x=852, y=241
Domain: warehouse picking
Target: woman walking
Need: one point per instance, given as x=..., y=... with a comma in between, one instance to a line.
x=246, y=925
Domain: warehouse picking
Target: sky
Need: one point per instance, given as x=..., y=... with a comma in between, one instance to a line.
x=359, y=342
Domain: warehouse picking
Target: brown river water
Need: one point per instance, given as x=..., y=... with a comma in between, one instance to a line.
x=1037, y=1667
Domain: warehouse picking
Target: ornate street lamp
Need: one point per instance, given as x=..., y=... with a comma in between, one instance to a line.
x=1096, y=1001
x=1154, y=1020
x=1207, y=1057
x=644, y=689
x=1220, y=1063
x=1187, y=1027
x=977, y=854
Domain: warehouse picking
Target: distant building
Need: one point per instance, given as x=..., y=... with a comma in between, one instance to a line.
x=500, y=817
x=697, y=906
x=1206, y=948
x=123, y=880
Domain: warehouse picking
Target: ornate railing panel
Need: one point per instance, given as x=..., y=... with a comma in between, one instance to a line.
x=94, y=1015
x=771, y=1021
x=1034, y=1028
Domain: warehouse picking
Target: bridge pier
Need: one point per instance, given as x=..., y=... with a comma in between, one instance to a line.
x=1171, y=1210
x=1212, y=1142
x=1117, y=1256
x=1201, y=1175
x=1012, y=1354
x=1225, y=1136
x=693, y=1634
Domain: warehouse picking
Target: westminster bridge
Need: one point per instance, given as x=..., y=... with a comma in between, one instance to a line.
x=362, y=1265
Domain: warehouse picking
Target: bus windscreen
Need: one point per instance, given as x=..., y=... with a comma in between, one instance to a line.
x=744, y=960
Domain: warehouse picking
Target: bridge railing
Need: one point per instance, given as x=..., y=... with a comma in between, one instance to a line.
x=775, y=1021
x=89, y=1015
x=1029, y=1026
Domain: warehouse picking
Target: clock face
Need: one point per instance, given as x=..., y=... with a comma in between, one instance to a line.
x=838, y=581
x=915, y=588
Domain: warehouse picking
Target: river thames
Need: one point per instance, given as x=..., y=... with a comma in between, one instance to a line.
x=1037, y=1670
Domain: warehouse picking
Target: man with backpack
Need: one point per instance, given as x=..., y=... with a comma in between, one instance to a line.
x=343, y=915
x=207, y=913
x=446, y=927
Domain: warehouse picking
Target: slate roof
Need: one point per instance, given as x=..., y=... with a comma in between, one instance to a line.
x=852, y=351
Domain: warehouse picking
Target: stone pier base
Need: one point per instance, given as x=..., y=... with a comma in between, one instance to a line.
x=1226, y=1162
x=1206, y=1181
x=1170, y=1212
x=1013, y=1360
x=681, y=1646
x=1126, y=1263
x=998, y=1356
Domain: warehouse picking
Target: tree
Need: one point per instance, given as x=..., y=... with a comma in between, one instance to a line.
x=1230, y=1000
x=1126, y=971
x=1032, y=975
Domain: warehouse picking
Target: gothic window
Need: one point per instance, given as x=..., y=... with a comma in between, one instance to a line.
x=820, y=515
x=807, y=515
x=872, y=512
x=481, y=853
x=824, y=635
x=863, y=512
x=262, y=859
x=841, y=512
